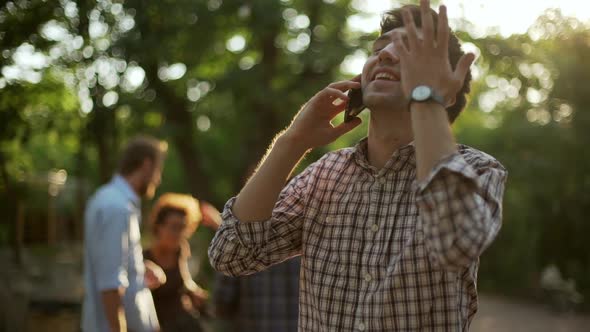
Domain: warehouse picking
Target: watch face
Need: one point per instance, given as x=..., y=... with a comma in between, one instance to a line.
x=421, y=93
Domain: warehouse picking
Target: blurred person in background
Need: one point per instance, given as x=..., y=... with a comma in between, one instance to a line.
x=116, y=298
x=178, y=299
x=267, y=301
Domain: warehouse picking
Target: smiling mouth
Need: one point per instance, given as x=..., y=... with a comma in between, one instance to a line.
x=383, y=76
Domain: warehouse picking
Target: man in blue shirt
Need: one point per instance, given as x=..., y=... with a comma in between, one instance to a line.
x=116, y=298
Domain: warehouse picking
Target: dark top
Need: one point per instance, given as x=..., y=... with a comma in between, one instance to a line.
x=266, y=301
x=172, y=315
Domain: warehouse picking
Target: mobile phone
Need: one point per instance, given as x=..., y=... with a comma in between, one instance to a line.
x=355, y=104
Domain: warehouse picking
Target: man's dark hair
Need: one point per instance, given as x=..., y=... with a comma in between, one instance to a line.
x=393, y=20
x=137, y=150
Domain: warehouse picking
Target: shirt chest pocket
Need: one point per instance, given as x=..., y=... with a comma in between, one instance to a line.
x=336, y=244
x=329, y=249
x=339, y=233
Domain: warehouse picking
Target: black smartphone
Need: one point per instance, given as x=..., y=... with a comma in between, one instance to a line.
x=355, y=104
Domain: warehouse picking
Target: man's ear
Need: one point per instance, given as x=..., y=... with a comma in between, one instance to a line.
x=451, y=101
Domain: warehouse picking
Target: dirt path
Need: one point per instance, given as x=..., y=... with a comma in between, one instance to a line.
x=62, y=276
x=501, y=314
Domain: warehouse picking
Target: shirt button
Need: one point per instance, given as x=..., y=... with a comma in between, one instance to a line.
x=368, y=277
x=382, y=180
x=375, y=228
x=390, y=269
x=361, y=326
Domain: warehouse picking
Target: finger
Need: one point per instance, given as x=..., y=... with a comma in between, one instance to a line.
x=357, y=78
x=345, y=85
x=463, y=66
x=427, y=23
x=345, y=127
x=332, y=95
x=442, y=38
x=335, y=100
x=410, y=29
x=338, y=104
x=399, y=44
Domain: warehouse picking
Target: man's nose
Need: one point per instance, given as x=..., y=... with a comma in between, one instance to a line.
x=388, y=53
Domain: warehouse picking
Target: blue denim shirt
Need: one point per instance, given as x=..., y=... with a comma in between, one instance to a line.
x=113, y=258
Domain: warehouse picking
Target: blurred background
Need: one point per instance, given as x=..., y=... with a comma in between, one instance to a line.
x=218, y=79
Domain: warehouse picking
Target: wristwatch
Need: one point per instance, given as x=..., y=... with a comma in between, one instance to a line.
x=424, y=93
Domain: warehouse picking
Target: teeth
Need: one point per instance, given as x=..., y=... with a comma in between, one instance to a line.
x=385, y=76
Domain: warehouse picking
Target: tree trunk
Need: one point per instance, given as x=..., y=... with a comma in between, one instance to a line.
x=101, y=126
x=10, y=213
x=178, y=116
x=259, y=141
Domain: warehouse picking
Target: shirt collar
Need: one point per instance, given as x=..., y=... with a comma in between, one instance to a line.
x=120, y=183
x=405, y=154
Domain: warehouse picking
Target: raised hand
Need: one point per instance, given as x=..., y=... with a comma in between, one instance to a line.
x=312, y=126
x=211, y=216
x=425, y=61
x=154, y=276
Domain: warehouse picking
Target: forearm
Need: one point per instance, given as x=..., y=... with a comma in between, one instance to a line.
x=455, y=237
x=263, y=225
x=187, y=278
x=458, y=223
x=113, y=308
x=265, y=228
x=433, y=137
x=258, y=198
x=460, y=205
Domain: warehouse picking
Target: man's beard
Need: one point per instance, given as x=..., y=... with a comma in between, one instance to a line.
x=379, y=101
x=147, y=190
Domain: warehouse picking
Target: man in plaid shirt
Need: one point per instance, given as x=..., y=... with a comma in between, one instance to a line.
x=390, y=231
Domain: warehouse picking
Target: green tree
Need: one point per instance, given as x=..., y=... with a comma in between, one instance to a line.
x=530, y=112
x=225, y=77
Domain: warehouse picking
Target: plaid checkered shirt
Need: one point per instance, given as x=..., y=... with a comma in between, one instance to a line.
x=380, y=251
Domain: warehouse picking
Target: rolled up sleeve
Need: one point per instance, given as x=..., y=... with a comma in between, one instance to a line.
x=460, y=206
x=110, y=262
x=242, y=248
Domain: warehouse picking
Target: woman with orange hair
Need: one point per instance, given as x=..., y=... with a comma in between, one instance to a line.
x=174, y=218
